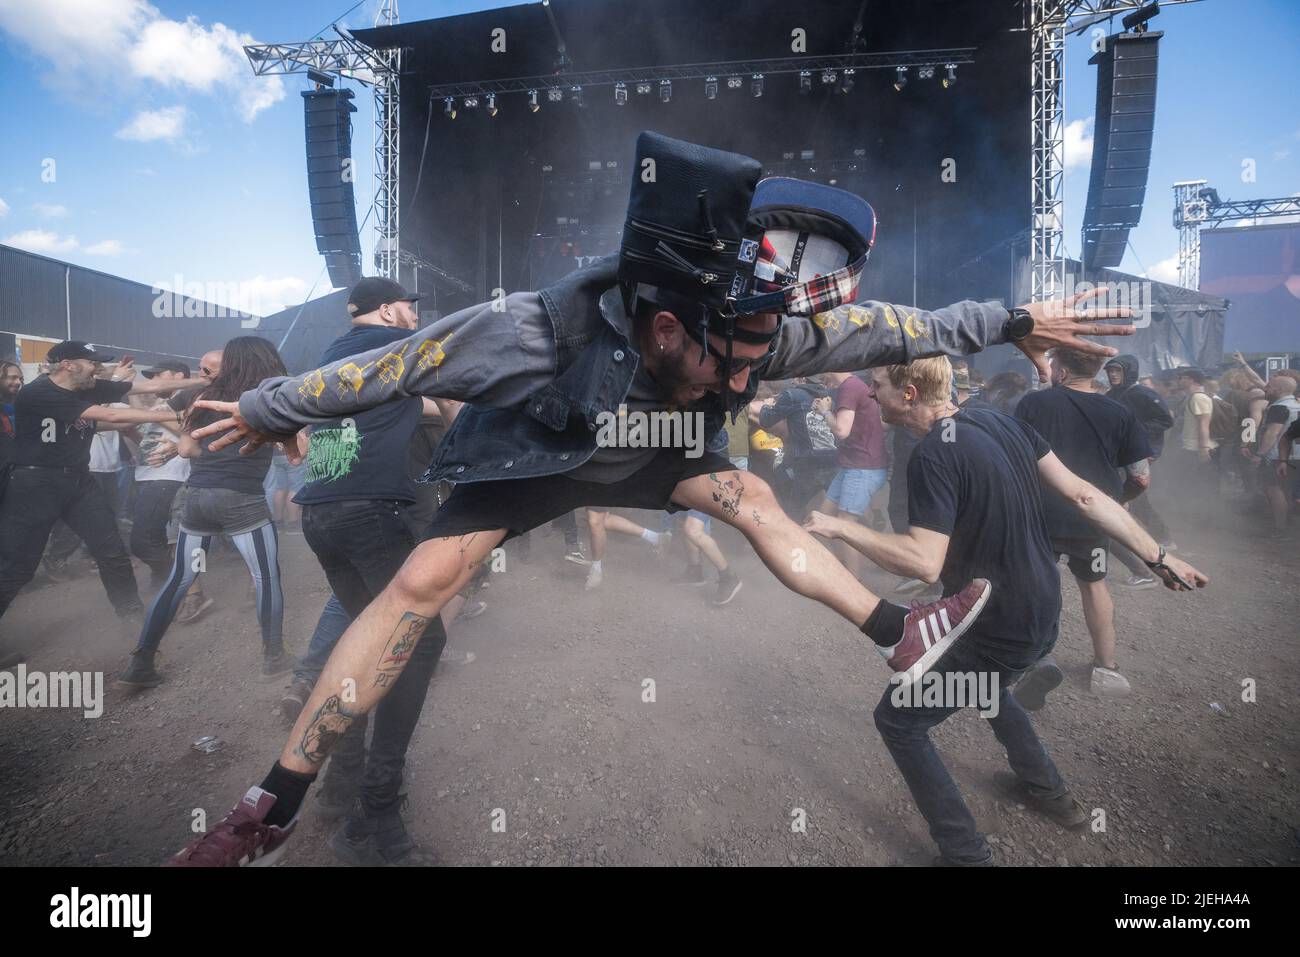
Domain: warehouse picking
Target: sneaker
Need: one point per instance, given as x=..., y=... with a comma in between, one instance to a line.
x=1066, y=810
x=240, y=839
x=191, y=607
x=378, y=840
x=577, y=557
x=335, y=796
x=930, y=629
x=594, y=578
x=1109, y=683
x=942, y=861
x=1138, y=582
x=471, y=609
x=276, y=662
x=692, y=577
x=728, y=588
x=140, y=673
x=1034, y=685
x=911, y=586
x=295, y=696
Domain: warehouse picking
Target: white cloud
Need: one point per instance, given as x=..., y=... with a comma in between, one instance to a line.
x=42, y=241
x=4, y=209
x=1279, y=155
x=50, y=211
x=107, y=247
x=1166, y=270
x=148, y=125
x=86, y=42
x=1078, y=143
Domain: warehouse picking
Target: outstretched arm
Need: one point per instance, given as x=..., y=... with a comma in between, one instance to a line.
x=918, y=553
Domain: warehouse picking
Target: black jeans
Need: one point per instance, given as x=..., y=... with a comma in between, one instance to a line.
x=152, y=512
x=361, y=545
x=906, y=732
x=36, y=499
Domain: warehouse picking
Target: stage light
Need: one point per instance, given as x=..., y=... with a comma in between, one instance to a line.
x=471, y=102
x=532, y=101
x=449, y=108
x=925, y=72
x=828, y=77
x=756, y=84
x=900, y=77
x=643, y=89
x=846, y=79
x=620, y=94
x=734, y=83
x=665, y=90
x=575, y=94
x=805, y=81
x=555, y=95
x=711, y=87
x=950, y=77
x=492, y=104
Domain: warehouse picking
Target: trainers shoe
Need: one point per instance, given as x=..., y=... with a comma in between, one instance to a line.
x=1138, y=582
x=1034, y=685
x=692, y=577
x=728, y=588
x=1109, y=683
x=471, y=609
x=140, y=673
x=930, y=629
x=379, y=840
x=275, y=662
x=336, y=796
x=577, y=557
x=1066, y=810
x=942, y=861
x=240, y=839
x=295, y=696
x=594, y=578
x=191, y=607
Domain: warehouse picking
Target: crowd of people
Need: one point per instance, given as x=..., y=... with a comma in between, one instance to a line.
x=409, y=455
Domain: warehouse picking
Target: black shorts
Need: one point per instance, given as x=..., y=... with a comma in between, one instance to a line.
x=1082, y=555
x=520, y=505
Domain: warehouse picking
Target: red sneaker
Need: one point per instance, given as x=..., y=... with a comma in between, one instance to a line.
x=930, y=629
x=240, y=839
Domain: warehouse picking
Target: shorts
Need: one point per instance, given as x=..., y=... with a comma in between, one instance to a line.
x=216, y=511
x=852, y=489
x=284, y=477
x=1083, y=556
x=1268, y=474
x=520, y=505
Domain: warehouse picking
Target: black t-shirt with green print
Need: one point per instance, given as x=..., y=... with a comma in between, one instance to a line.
x=364, y=457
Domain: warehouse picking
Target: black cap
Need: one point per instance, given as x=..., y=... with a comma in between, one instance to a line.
x=74, y=349
x=168, y=365
x=1197, y=375
x=375, y=291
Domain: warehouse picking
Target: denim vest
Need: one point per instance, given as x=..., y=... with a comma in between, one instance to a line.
x=555, y=429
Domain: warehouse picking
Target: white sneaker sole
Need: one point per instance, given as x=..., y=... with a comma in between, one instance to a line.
x=923, y=664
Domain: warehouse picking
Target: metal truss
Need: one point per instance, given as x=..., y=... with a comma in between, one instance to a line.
x=387, y=147
x=1197, y=205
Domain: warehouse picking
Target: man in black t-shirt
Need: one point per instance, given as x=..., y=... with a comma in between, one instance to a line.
x=976, y=512
x=1097, y=439
x=56, y=419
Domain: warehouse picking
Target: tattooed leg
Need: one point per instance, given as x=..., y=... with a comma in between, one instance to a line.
x=373, y=651
x=803, y=564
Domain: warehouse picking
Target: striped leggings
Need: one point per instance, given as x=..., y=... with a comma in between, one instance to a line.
x=259, y=550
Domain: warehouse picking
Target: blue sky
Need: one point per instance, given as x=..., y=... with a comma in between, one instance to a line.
x=171, y=160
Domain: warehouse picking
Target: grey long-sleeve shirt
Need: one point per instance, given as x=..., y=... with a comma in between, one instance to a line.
x=498, y=353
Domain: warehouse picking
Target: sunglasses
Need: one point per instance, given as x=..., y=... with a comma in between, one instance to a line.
x=739, y=364
x=206, y=371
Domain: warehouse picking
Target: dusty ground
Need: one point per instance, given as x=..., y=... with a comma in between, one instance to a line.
x=762, y=707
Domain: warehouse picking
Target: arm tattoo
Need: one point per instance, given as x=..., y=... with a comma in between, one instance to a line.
x=398, y=650
x=728, y=493
x=758, y=519
x=330, y=722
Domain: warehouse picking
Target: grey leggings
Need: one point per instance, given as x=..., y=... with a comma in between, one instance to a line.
x=259, y=550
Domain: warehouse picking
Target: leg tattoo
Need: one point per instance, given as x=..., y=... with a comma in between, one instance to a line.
x=399, y=648
x=728, y=493
x=328, y=724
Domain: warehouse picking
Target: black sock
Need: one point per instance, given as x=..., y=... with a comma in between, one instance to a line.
x=289, y=788
x=885, y=626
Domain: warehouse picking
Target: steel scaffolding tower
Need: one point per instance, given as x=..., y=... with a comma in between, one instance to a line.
x=1197, y=205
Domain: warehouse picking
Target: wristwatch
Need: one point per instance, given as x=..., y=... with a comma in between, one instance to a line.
x=1159, y=565
x=1019, y=325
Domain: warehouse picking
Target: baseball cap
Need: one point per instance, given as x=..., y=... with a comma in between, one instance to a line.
x=375, y=291
x=168, y=365
x=75, y=349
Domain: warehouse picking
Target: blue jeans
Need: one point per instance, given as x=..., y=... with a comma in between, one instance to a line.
x=905, y=731
x=334, y=620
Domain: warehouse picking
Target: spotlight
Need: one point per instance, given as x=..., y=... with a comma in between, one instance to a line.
x=555, y=95
x=734, y=83
x=492, y=104
x=449, y=108
x=665, y=90
x=575, y=94
x=805, y=81
x=828, y=77
x=471, y=102
x=711, y=87
x=756, y=84
x=846, y=79
x=950, y=76
x=643, y=89
x=900, y=77
x=925, y=72
x=620, y=94
x=532, y=101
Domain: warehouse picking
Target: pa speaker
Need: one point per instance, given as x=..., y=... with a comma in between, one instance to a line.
x=1121, y=145
x=329, y=182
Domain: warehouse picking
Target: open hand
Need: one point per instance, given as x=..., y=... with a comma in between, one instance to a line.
x=235, y=427
x=1059, y=322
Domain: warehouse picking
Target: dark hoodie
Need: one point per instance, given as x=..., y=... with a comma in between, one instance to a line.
x=1152, y=413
